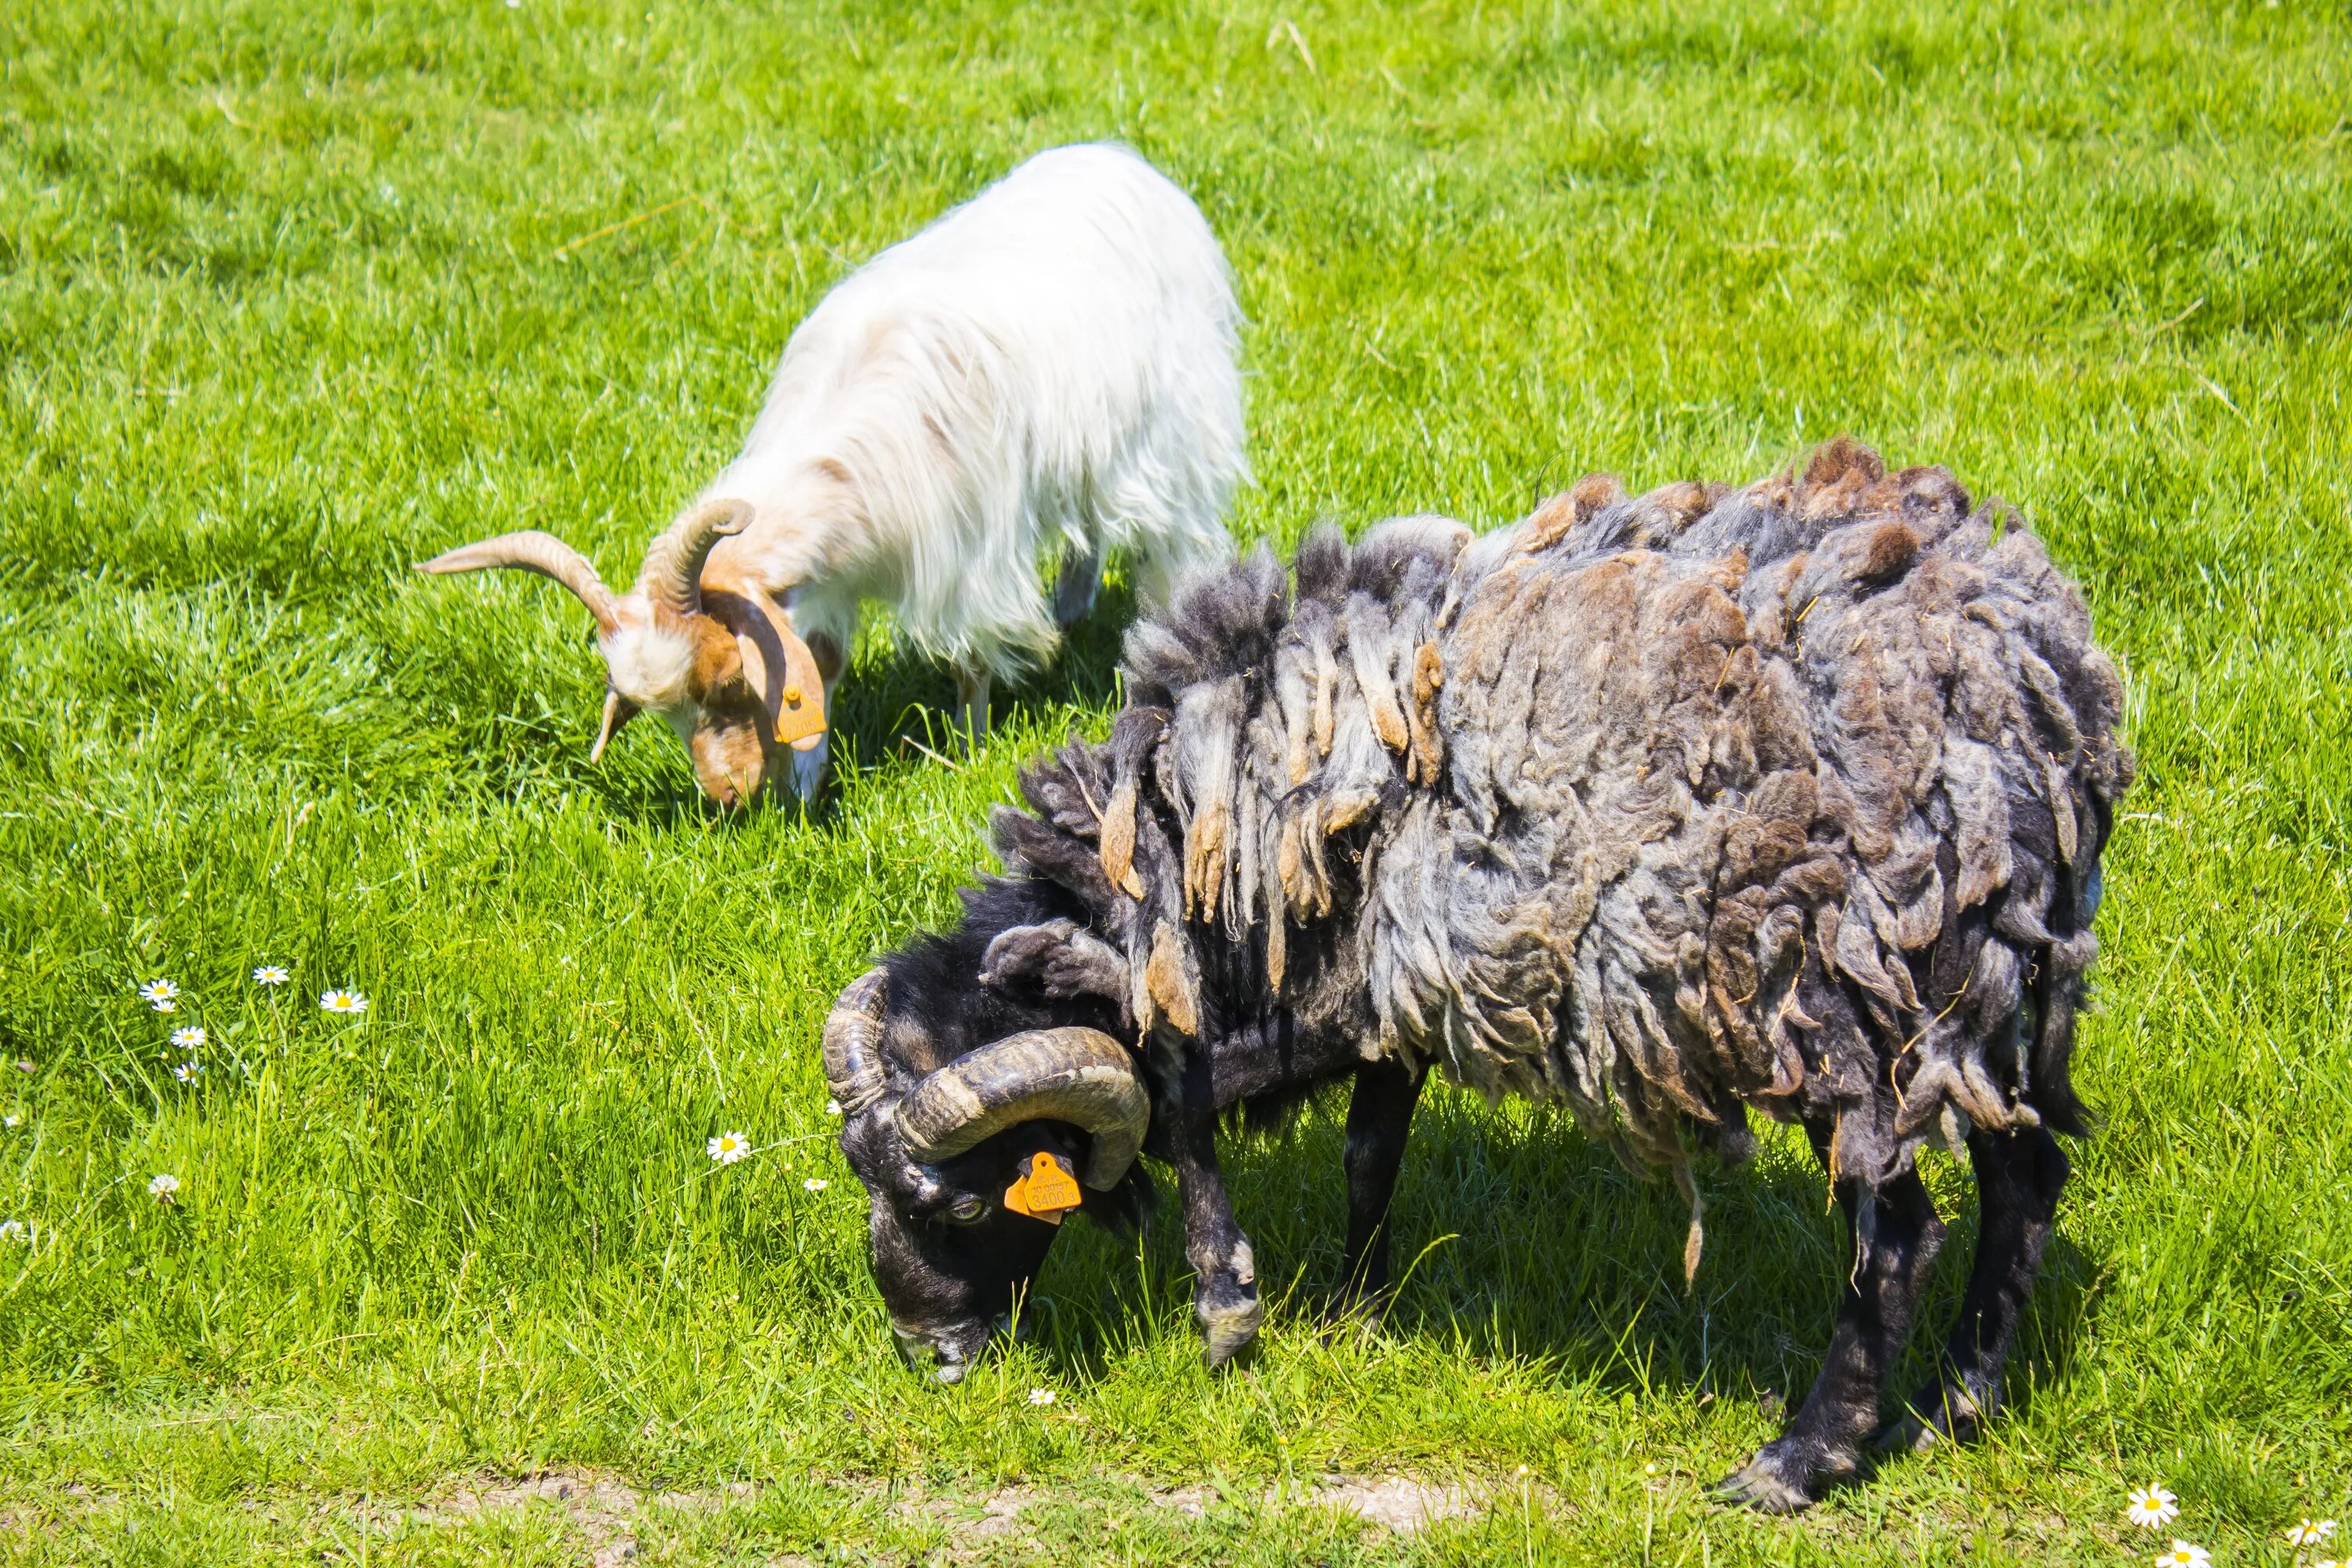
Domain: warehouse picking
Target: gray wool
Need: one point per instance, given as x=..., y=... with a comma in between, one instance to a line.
x=1658, y=808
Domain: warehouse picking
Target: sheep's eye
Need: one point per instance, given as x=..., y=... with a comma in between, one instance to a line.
x=966, y=1211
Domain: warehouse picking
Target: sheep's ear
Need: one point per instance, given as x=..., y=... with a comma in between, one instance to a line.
x=1066, y=960
x=782, y=670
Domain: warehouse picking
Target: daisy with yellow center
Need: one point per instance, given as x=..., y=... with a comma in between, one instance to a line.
x=2181, y=1554
x=2310, y=1532
x=817, y=1183
x=730, y=1147
x=271, y=975
x=2152, y=1506
x=188, y=1039
x=349, y=1002
x=161, y=995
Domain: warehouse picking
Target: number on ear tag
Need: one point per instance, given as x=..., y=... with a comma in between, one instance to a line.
x=1046, y=1190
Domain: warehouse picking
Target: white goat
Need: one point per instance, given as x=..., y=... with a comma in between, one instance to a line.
x=1052, y=364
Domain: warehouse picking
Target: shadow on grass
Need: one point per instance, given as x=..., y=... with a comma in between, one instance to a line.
x=1515, y=1237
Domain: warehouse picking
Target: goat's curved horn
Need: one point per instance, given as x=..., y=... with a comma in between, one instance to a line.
x=853, y=1042
x=1079, y=1076
x=531, y=551
x=672, y=576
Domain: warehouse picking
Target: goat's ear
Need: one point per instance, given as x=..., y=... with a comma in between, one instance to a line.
x=618, y=710
x=782, y=670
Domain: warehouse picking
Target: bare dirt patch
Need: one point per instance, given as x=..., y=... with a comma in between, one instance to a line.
x=603, y=1512
x=1399, y=1504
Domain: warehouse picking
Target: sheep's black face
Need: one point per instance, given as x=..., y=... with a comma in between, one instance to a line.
x=953, y=1264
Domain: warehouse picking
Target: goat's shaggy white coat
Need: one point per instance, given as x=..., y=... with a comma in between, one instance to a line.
x=1051, y=363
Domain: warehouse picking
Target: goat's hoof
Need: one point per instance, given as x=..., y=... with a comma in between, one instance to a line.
x=1778, y=1480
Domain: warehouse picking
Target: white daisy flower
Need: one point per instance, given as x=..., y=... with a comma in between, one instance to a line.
x=2152, y=1506
x=271, y=975
x=1041, y=1397
x=729, y=1147
x=13, y=1230
x=817, y=1183
x=188, y=1039
x=2181, y=1554
x=159, y=994
x=833, y=1107
x=345, y=1001
x=162, y=1188
x=186, y=1071
x=2310, y=1532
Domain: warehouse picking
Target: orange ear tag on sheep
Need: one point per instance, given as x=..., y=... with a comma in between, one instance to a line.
x=1046, y=1191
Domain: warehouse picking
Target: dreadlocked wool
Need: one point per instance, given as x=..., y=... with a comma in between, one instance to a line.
x=1658, y=808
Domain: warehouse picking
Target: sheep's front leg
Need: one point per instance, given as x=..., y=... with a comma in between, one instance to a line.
x=1224, y=1290
x=2019, y=1177
x=1896, y=1233
x=971, y=703
x=1380, y=1120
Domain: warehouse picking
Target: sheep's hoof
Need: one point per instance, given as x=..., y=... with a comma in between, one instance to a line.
x=1355, y=1312
x=1229, y=1325
x=1952, y=1415
x=1776, y=1480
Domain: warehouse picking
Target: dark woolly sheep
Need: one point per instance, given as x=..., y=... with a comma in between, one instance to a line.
x=1659, y=808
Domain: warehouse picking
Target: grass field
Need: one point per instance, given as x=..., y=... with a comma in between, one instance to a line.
x=292, y=296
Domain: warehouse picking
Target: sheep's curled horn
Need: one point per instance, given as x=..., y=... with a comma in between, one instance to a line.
x=853, y=1042
x=1082, y=1076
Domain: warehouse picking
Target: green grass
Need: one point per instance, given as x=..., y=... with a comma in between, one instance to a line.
x=292, y=296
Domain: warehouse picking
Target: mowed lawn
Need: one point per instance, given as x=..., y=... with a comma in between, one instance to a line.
x=292, y=296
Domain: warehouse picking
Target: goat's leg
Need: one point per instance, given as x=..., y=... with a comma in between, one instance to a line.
x=1224, y=1288
x=971, y=703
x=1075, y=586
x=2019, y=1177
x=1379, y=1119
x=1896, y=1233
x=813, y=768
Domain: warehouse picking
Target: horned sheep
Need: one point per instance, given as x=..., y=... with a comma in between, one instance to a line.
x=1052, y=364
x=1664, y=809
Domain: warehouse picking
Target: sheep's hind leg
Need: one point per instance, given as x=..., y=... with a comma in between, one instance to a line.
x=1074, y=588
x=1224, y=1290
x=2019, y=1177
x=1380, y=1120
x=1896, y=1232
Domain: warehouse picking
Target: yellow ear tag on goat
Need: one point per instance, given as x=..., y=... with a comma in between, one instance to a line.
x=1047, y=1190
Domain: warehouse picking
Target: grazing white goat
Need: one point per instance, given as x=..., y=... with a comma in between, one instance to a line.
x=1052, y=364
